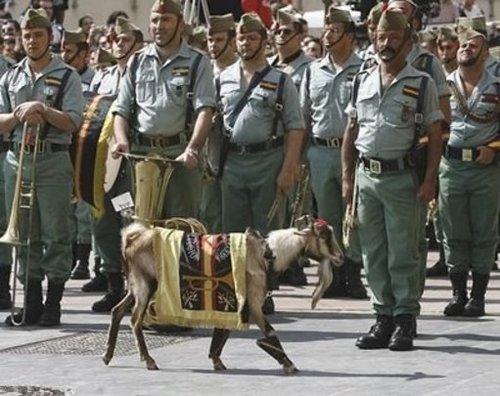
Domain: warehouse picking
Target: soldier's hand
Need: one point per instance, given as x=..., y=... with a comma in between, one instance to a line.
x=189, y=158
x=286, y=179
x=486, y=155
x=118, y=148
x=427, y=191
x=30, y=112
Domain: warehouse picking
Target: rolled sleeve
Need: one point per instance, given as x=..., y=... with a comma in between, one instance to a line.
x=73, y=102
x=292, y=115
x=431, y=110
x=125, y=100
x=5, y=106
x=204, y=89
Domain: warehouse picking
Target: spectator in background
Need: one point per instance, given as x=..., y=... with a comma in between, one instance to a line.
x=469, y=8
x=312, y=47
x=449, y=13
x=85, y=23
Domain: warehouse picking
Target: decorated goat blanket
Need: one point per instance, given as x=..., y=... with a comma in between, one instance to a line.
x=201, y=280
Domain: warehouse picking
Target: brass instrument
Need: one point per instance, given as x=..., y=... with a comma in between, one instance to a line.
x=303, y=187
x=24, y=196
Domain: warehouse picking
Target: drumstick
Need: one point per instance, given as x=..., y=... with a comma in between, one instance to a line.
x=149, y=158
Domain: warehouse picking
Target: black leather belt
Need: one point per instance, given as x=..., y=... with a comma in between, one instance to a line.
x=330, y=142
x=462, y=154
x=378, y=166
x=162, y=141
x=256, y=147
x=42, y=147
x=4, y=146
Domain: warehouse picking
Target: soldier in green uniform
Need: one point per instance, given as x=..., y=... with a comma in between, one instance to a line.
x=75, y=51
x=106, y=230
x=381, y=130
x=258, y=168
x=5, y=250
x=42, y=93
x=221, y=42
x=469, y=176
x=156, y=110
x=447, y=47
x=325, y=93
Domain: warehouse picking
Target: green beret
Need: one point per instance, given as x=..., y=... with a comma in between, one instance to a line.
x=35, y=19
x=393, y=20
x=104, y=57
x=446, y=34
x=375, y=13
x=466, y=33
x=220, y=23
x=476, y=23
x=74, y=37
x=124, y=25
x=338, y=15
x=167, y=7
x=250, y=22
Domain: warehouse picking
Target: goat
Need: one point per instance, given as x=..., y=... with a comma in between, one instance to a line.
x=314, y=240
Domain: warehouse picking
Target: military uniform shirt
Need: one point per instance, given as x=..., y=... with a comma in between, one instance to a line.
x=367, y=53
x=255, y=121
x=86, y=77
x=17, y=86
x=106, y=81
x=158, y=92
x=387, y=120
x=325, y=94
x=4, y=65
x=465, y=132
x=493, y=66
x=435, y=71
x=295, y=68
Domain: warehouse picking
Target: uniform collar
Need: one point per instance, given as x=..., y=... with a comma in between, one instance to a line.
x=353, y=60
x=184, y=51
x=486, y=80
x=55, y=63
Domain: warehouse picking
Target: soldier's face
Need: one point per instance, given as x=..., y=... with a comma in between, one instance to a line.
x=218, y=43
x=36, y=42
x=249, y=44
x=447, y=50
x=163, y=28
x=390, y=44
x=372, y=32
x=287, y=35
x=471, y=52
x=123, y=45
x=334, y=34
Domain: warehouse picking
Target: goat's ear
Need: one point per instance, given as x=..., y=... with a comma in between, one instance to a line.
x=250, y=231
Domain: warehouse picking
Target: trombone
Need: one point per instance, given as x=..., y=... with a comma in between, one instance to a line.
x=24, y=196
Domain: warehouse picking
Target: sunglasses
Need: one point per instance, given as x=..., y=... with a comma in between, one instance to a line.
x=284, y=32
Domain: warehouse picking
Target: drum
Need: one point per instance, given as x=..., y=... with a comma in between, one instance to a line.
x=112, y=167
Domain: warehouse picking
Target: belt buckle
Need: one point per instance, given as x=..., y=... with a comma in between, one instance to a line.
x=375, y=166
x=42, y=146
x=157, y=142
x=467, y=155
x=333, y=143
x=28, y=149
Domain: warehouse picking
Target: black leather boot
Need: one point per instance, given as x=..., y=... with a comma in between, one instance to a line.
x=475, y=307
x=34, y=306
x=457, y=304
x=338, y=288
x=5, y=297
x=355, y=287
x=98, y=283
x=52, y=310
x=81, y=270
x=402, y=338
x=379, y=334
x=268, y=307
x=439, y=268
x=114, y=295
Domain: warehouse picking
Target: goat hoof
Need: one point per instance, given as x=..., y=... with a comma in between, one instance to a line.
x=106, y=359
x=290, y=369
x=152, y=366
x=218, y=365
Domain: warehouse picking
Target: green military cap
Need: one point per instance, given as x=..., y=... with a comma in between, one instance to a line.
x=466, y=33
x=446, y=34
x=220, y=23
x=393, y=19
x=167, y=7
x=426, y=36
x=250, y=22
x=124, y=25
x=338, y=15
x=376, y=13
x=477, y=23
x=286, y=17
x=104, y=57
x=199, y=35
x=74, y=37
x=35, y=19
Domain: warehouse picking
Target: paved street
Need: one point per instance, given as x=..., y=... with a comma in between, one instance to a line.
x=452, y=356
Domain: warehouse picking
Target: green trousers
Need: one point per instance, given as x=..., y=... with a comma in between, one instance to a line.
x=326, y=182
x=5, y=250
x=211, y=204
x=389, y=233
x=50, y=236
x=248, y=186
x=80, y=227
x=469, y=202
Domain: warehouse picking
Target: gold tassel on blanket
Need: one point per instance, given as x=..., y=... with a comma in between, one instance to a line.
x=197, y=285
